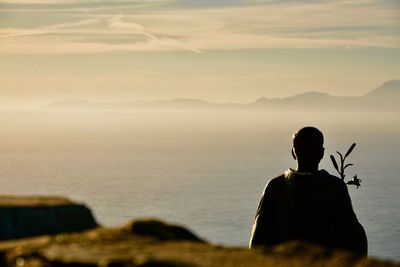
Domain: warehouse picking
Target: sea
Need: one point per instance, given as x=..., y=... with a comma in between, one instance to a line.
x=202, y=169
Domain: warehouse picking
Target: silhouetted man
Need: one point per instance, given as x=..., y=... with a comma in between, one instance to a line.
x=308, y=204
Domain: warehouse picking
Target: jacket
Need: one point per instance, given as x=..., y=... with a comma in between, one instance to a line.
x=314, y=207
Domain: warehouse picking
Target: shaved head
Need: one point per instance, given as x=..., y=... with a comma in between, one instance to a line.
x=308, y=145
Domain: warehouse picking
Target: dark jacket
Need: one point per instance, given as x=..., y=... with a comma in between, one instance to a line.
x=313, y=207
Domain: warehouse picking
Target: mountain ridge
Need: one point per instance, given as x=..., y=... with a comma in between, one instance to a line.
x=385, y=97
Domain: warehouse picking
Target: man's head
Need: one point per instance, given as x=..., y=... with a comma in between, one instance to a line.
x=308, y=146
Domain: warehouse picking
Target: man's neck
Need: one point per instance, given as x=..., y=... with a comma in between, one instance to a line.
x=307, y=167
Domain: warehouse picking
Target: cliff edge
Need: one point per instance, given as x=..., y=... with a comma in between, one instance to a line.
x=155, y=243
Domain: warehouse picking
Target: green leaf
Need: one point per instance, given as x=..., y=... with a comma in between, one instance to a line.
x=334, y=163
x=341, y=157
x=350, y=149
x=348, y=165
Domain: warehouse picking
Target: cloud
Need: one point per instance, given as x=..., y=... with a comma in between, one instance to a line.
x=170, y=26
x=71, y=2
x=44, y=1
x=57, y=28
x=116, y=23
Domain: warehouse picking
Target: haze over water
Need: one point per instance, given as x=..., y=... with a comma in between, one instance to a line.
x=203, y=169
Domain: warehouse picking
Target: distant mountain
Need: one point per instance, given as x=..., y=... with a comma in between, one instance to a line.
x=385, y=97
x=388, y=88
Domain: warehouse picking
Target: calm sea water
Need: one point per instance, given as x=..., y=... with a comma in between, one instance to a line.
x=205, y=170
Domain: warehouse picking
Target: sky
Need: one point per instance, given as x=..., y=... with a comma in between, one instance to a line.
x=219, y=51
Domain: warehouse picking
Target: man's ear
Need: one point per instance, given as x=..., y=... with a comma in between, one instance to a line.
x=293, y=154
x=322, y=152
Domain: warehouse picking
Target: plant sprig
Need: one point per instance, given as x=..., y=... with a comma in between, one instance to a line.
x=340, y=169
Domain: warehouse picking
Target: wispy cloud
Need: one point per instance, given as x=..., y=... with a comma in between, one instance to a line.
x=170, y=25
x=42, y=1
x=71, y=2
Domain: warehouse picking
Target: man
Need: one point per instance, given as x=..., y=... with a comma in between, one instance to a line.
x=308, y=204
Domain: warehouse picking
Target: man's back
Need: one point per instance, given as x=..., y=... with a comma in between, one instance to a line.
x=314, y=207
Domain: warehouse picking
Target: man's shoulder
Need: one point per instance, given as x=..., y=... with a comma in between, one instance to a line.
x=275, y=182
x=322, y=177
x=331, y=179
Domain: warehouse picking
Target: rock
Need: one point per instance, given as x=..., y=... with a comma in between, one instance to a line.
x=141, y=243
x=32, y=215
x=161, y=231
x=122, y=246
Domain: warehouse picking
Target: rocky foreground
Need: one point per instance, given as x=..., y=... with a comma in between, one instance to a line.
x=148, y=243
